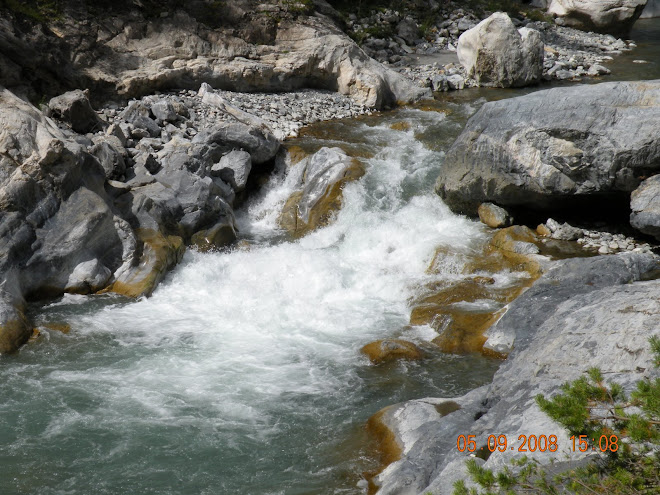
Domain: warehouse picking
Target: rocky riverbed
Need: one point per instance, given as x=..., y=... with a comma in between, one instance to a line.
x=107, y=201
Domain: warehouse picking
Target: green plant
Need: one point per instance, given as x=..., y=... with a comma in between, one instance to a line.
x=590, y=408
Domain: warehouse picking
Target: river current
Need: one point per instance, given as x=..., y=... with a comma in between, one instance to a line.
x=242, y=373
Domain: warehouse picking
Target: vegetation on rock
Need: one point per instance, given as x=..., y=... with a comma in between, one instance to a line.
x=590, y=408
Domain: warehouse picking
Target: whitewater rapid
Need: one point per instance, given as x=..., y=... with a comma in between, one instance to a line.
x=242, y=373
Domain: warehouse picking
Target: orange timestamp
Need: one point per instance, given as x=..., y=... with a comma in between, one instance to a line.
x=538, y=443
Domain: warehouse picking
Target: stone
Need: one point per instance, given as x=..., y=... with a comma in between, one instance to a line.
x=87, y=277
x=164, y=111
x=74, y=108
x=494, y=216
x=408, y=30
x=645, y=207
x=322, y=177
x=111, y=158
x=160, y=254
x=494, y=53
x=563, y=232
x=604, y=16
x=605, y=325
x=531, y=151
x=568, y=279
x=385, y=350
x=220, y=235
x=260, y=143
x=234, y=168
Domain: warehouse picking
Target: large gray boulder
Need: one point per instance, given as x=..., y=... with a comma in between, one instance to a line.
x=545, y=150
x=607, y=327
x=56, y=220
x=495, y=53
x=645, y=207
x=74, y=108
x=603, y=16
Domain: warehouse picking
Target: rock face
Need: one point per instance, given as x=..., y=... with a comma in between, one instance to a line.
x=603, y=16
x=557, y=147
x=606, y=326
x=130, y=56
x=495, y=53
x=114, y=210
x=645, y=207
x=321, y=179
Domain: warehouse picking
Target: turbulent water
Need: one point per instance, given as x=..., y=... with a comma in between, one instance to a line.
x=242, y=373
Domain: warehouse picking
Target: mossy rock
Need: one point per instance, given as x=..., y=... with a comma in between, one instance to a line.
x=160, y=253
x=220, y=235
x=385, y=350
x=322, y=207
x=14, y=333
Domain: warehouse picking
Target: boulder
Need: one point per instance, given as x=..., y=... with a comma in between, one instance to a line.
x=645, y=207
x=234, y=168
x=322, y=177
x=581, y=145
x=494, y=216
x=606, y=325
x=495, y=53
x=603, y=16
x=382, y=351
x=74, y=108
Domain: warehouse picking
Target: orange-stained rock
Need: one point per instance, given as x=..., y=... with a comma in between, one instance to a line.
x=159, y=254
x=403, y=125
x=389, y=349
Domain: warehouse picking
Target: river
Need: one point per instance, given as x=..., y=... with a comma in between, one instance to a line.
x=242, y=373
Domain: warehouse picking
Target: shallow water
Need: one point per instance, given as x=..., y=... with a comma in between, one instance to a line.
x=242, y=373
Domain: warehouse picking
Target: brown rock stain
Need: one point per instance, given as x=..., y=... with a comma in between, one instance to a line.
x=387, y=446
x=390, y=349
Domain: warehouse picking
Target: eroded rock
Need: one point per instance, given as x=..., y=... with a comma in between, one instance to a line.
x=603, y=16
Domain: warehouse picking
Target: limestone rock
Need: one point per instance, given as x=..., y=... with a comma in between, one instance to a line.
x=603, y=16
x=494, y=53
x=494, y=216
x=323, y=176
x=534, y=151
x=74, y=108
x=568, y=279
x=571, y=328
x=645, y=207
x=389, y=349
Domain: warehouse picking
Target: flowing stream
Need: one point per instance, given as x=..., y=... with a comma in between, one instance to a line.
x=242, y=373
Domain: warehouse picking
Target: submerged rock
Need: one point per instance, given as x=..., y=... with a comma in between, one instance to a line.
x=390, y=349
x=585, y=313
x=495, y=53
x=555, y=148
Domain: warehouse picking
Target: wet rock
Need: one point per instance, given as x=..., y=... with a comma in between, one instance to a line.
x=496, y=54
x=645, y=207
x=87, y=277
x=572, y=327
x=494, y=216
x=532, y=151
x=322, y=177
x=519, y=245
x=604, y=16
x=220, y=235
x=160, y=254
x=390, y=349
x=74, y=108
